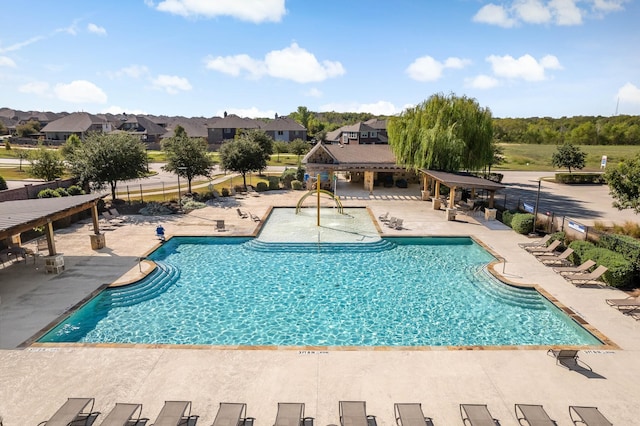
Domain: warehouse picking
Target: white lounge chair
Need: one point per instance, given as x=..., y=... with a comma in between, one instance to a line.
x=74, y=412
x=572, y=269
x=556, y=259
x=626, y=303
x=588, y=416
x=538, y=243
x=534, y=415
x=354, y=413
x=476, y=415
x=410, y=414
x=124, y=415
x=232, y=414
x=175, y=413
x=548, y=249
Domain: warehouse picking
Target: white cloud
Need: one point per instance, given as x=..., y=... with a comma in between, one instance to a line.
x=482, y=82
x=234, y=65
x=246, y=10
x=532, y=11
x=172, y=84
x=494, y=15
x=36, y=87
x=80, y=91
x=7, y=62
x=291, y=63
x=313, y=92
x=427, y=68
x=132, y=71
x=376, y=108
x=93, y=28
x=116, y=110
x=629, y=93
x=558, y=12
x=525, y=67
x=252, y=112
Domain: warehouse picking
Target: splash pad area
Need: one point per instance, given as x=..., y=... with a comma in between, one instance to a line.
x=351, y=226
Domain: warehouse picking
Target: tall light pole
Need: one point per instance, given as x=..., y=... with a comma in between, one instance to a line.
x=535, y=211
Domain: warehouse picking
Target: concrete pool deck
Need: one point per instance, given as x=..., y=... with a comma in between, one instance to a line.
x=36, y=380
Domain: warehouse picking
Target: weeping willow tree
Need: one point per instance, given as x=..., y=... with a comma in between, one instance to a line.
x=447, y=133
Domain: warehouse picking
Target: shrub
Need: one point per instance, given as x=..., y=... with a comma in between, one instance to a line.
x=287, y=176
x=3, y=184
x=274, y=183
x=620, y=271
x=75, y=190
x=507, y=216
x=225, y=192
x=62, y=192
x=296, y=185
x=580, y=178
x=580, y=248
x=48, y=193
x=193, y=205
x=627, y=246
x=522, y=223
x=261, y=187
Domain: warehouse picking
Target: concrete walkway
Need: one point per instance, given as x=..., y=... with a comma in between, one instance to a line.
x=36, y=380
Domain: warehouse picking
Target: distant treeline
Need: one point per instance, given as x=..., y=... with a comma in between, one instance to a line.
x=579, y=130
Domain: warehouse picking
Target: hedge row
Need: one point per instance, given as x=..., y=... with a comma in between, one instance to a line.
x=620, y=271
x=580, y=178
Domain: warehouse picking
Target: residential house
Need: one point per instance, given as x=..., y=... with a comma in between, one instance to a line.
x=285, y=129
x=359, y=133
x=77, y=123
x=228, y=127
x=142, y=127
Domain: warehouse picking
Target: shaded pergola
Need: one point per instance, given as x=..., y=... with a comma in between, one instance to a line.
x=20, y=216
x=454, y=181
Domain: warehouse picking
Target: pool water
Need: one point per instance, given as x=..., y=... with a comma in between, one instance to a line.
x=385, y=292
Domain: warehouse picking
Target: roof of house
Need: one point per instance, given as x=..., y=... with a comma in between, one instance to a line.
x=377, y=124
x=149, y=126
x=356, y=154
x=232, y=121
x=334, y=136
x=75, y=122
x=195, y=128
x=282, y=124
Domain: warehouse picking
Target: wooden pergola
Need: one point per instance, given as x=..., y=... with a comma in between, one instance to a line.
x=431, y=181
x=20, y=216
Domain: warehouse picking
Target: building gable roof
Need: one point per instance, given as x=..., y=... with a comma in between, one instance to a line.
x=232, y=121
x=283, y=124
x=75, y=122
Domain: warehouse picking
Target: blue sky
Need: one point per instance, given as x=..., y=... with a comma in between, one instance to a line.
x=255, y=58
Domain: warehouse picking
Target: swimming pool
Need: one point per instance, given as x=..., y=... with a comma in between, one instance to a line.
x=387, y=292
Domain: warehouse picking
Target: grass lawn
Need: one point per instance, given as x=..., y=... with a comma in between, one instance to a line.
x=525, y=157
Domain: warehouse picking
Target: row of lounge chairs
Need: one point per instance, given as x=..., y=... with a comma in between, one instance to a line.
x=79, y=411
x=577, y=275
x=247, y=215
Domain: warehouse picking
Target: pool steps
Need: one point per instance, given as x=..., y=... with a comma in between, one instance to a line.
x=515, y=296
x=359, y=247
x=156, y=283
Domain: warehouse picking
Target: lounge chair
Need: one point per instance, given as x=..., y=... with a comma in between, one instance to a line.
x=175, y=413
x=125, y=415
x=232, y=414
x=567, y=358
x=112, y=220
x=74, y=412
x=42, y=245
x=553, y=259
x=292, y=414
x=548, y=249
x=242, y=214
x=254, y=217
x=354, y=413
x=220, y=225
x=116, y=214
x=410, y=414
x=391, y=223
x=538, y=243
x=571, y=269
x=534, y=415
x=251, y=190
x=384, y=217
x=583, y=278
x=588, y=416
x=476, y=415
x=626, y=303
x=399, y=223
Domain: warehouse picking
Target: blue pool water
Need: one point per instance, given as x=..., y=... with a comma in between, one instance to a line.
x=387, y=292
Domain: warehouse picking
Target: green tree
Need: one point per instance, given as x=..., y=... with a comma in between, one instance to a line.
x=624, y=184
x=46, y=164
x=187, y=157
x=261, y=138
x=242, y=156
x=280, y=147
x=298, y=147
x=31, y=127
x=106, y=158
x=71, y=146
x=446, y=133
x=569, y=156
x=302, y=115
x=22, y=155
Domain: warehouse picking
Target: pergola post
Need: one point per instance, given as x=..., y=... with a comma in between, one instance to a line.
x=452, y=197
x=491, y=198
x=94, y=219
x=51, y=244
